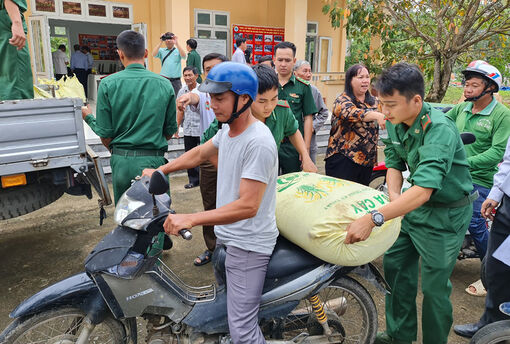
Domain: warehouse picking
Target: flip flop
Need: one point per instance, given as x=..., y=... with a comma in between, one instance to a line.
x=478, y=287
x=204, y=258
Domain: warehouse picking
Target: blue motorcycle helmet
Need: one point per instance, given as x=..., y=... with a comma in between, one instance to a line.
x=235, y=77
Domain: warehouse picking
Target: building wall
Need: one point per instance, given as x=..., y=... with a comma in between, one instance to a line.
x=247, y=12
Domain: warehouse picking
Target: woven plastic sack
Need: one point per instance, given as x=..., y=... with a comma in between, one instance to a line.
x=70, y=88
x=313, y=212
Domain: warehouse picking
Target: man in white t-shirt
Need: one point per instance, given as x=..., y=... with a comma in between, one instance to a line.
x=60, y=61
x=245, y=218
x=238, y=55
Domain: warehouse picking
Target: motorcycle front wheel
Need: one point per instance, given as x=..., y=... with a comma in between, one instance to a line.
x=350, y=309
x=495, y=333
x=61, y=326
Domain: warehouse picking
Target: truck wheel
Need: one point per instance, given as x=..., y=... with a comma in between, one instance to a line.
x=21, y=200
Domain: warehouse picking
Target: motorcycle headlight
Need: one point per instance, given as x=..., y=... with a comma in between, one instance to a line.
x=136, y=223
x=124, y=207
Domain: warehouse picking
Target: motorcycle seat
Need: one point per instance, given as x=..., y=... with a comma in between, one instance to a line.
x=287, y=259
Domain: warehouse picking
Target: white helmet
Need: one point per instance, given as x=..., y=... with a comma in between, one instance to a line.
x=486, y=70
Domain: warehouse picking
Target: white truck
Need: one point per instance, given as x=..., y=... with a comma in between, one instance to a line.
x=43, y=154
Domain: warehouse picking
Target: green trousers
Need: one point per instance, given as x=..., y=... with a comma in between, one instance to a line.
x=16, y=80
x=435, y=235
x=126, y=168
x=288, y=158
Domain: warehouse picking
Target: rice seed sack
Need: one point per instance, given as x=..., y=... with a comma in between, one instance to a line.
x=313, y=212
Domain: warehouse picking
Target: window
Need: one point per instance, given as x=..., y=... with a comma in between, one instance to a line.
x=212, y=24
x=312, y=29
x=60, y=31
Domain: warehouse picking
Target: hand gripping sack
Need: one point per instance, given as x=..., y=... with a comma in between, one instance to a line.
x=313, y=212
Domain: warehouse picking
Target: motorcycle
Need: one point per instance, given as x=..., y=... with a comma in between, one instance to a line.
x=304, y=300
x=495, y=333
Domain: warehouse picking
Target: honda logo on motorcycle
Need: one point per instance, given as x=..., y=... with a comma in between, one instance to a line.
x=142, y=293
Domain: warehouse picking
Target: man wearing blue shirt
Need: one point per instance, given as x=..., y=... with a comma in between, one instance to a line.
x=80, y=65
x=170, y=57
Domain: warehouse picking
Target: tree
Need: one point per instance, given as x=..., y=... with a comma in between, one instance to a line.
x=433, y=34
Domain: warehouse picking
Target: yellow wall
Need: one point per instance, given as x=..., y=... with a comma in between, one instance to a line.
x=244, y=12
x=325, y=30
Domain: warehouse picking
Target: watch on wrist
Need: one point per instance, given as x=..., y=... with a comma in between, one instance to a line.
x=377, y=218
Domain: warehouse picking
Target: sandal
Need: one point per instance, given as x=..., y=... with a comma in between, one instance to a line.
x=476, y=289
x=204, y=258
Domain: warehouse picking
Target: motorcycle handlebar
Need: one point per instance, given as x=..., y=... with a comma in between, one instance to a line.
x=186, y=234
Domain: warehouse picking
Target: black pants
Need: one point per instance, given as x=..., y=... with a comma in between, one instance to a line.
x=176, y=84
x=59, y=76
x=340, y=166
x=497, y=273
x=191, y=142
x=82, y=76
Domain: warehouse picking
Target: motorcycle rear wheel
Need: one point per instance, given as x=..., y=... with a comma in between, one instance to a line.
x=355, y=321
x=61, y=326
x=495, y=333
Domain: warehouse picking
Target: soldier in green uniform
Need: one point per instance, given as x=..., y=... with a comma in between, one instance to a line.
x=135, y=114
x=15, y=70
x=298, y=93
x=193, y=58
x=437, y=208
x=276, y=114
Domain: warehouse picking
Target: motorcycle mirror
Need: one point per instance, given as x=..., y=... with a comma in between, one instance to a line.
x=467, y=138
x=158, y=184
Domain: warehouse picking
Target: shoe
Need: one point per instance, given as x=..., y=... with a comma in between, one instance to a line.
x=476, y=289
x=467, y=330
x=204, y=258
x=190, y=186
x=384, y=338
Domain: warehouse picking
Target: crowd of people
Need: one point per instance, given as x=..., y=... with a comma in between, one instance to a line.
x=244, y=125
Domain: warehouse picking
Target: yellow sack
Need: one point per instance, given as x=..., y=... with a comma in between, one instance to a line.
x=70, y=88
x=313, y=212
x=39, y=93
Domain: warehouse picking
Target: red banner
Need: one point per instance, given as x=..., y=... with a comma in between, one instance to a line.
x=261, y=40
x=101, y=47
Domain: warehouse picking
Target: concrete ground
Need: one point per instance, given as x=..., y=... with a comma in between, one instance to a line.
x=50, y=244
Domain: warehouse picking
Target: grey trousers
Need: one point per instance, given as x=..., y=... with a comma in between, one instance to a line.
x=246, y=271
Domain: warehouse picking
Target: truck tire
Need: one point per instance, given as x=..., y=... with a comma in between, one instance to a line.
x=21, y=200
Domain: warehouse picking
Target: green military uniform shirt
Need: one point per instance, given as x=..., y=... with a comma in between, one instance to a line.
x=434, y=153
x=136, y=108
x=491, y=127
x=298, y=93
x=15, y=70
x=281, y=123
x=193, y=60
x=135, y=122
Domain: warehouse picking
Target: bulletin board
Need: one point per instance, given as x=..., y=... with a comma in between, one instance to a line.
x=101, y=47
x=260, y=39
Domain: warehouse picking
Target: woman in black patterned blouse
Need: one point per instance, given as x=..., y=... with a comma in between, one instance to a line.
x=352, y=145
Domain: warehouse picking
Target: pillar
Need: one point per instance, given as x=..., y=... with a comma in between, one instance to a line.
x=296, y=14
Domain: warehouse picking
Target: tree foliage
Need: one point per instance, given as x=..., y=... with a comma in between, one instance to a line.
x=433, y=34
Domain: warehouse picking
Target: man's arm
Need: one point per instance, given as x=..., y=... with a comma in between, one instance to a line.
x=308, y=128
x=155, y=51
x=18, y=38
x=245, y=207
x=411, y=199
x=494, y=154
x=190, y=98
x=394, y=180
x=190, y=159
x=297, y=141
x=182, y=52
